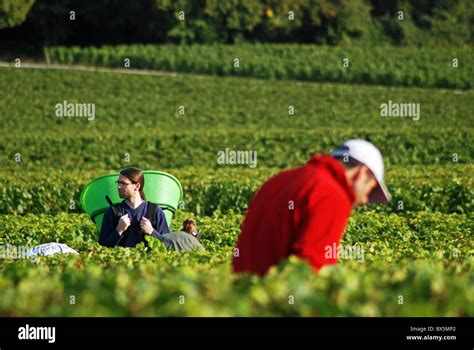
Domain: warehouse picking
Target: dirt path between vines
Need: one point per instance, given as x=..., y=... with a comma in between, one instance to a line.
x=90, y=69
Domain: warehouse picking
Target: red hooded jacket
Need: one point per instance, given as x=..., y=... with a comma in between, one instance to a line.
x=301, y=211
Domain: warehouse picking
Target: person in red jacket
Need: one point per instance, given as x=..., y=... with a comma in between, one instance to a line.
x=304, y=210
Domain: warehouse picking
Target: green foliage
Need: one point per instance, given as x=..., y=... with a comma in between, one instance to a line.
x=418, y=247
x=426, y=23
x=214, y=107
x=14, y=12
x=211, y=21
x=333, y=22
x=426, y=258
x=214, y=104
x=445, y=189
x=427, y=67
x=111, y=21
x=274, y=149
x=215, y=119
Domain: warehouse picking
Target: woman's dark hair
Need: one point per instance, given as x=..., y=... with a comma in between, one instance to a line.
x=135, y=175
x=189, y=225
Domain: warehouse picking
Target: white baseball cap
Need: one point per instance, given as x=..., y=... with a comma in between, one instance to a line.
x=369, y=155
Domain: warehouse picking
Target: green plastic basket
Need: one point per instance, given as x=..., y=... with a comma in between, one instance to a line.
x=160, y=188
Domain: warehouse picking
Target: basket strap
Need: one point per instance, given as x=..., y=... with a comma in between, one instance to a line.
x=97, y=212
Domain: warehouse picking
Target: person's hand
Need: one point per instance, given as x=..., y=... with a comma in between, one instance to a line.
x=145, y=226
x=123, y=224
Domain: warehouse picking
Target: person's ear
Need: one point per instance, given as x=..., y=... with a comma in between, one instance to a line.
x=358, y=173
x=368, y=175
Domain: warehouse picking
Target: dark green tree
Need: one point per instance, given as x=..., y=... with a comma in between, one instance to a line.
x=14, y=12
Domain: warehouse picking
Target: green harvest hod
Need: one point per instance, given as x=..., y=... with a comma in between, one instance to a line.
x=160, y=188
